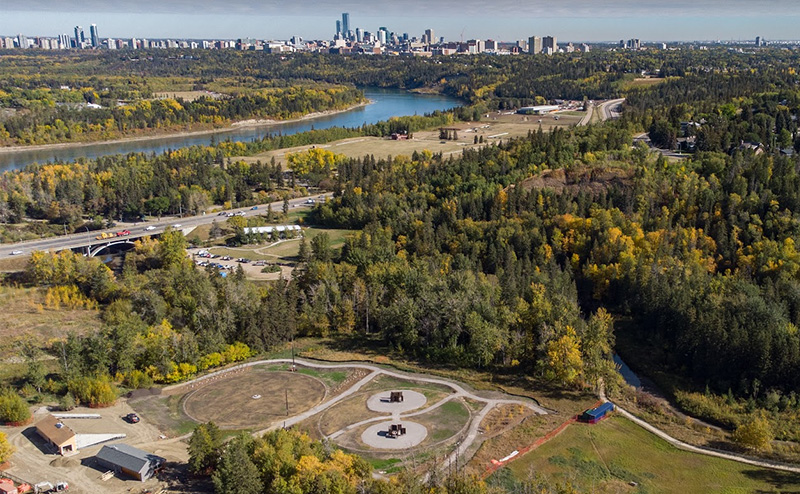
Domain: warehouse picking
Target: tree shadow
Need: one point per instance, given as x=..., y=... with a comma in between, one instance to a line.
x=786, y=482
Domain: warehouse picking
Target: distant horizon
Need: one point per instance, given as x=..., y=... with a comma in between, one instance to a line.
x=504, y=20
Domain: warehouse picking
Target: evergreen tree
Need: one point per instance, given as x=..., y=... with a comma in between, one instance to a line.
x=237, y=472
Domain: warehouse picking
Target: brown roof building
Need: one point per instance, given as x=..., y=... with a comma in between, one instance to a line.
x=57, y=434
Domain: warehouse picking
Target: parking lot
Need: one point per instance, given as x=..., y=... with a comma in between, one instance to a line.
x=34, y=461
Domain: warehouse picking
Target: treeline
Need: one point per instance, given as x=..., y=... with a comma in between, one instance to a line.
x=70, y=121
x=287, y=461
x=188, y=179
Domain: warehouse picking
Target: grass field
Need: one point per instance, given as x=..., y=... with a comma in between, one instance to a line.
x=497, y=126
x=607, y=457
x=229, y=402
x=353, y=409
x=444, y=422
x=25, y=316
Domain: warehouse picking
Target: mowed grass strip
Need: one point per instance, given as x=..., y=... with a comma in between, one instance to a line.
x=608, y=456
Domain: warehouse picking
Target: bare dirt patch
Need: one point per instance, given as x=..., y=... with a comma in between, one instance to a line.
x=254, y=399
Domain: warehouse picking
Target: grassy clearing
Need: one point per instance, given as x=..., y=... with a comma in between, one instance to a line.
x=608, y=456
x=166, y=413
x=331, y=378
x=445, y=421
x=14, y=264
x=385, y=383
x=26, y=317
x=229, y=402
x=344, y=413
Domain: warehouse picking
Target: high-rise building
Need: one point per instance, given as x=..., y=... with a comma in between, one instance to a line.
x=345, y=24
x=549, y=45
x=338, y=28
x=23, y=41
x=63, y=41
x=95, y=37
x=760, y=41
x=79, y=37
x=359, y=35
x=570, y=48
x=429, y=37
x=585, y=48
x=534, y=45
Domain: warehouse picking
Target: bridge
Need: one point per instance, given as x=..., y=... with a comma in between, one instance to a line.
x=88, y=244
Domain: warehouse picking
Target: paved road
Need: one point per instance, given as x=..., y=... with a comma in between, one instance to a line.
x=459, y=392
x=88, y=238
x=611, y=109
x=608, y=110
x=643, y=137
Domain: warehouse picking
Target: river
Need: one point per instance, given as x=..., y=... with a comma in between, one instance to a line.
x=386, y=103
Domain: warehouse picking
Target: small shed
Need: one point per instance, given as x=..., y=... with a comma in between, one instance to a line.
x=594, y=415
x=7, y=487
x=57, y=434
x=131, y=461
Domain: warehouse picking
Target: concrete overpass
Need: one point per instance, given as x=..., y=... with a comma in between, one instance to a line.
x=87, y=242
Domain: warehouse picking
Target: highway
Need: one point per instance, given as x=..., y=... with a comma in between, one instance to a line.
x=137, y=230
x=608, y=110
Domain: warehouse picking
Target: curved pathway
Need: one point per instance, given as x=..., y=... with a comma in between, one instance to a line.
x=459, y=392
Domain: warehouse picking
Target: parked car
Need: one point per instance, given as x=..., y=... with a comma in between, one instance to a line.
x=132, y=418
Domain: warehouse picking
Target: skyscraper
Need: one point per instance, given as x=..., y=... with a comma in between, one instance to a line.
x=79, y=37
x=359, y=35
x=338, y=28
x=534, y=45
x=345, y=24
x=95, y=37
x=549, y=45
x=429, y=37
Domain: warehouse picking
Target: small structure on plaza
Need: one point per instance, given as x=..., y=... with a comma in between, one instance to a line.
x=396, y=430
x=396, y=397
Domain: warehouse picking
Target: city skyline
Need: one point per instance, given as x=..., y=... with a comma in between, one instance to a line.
x=504, y=21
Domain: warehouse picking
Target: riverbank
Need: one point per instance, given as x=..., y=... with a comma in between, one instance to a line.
x=241, y=124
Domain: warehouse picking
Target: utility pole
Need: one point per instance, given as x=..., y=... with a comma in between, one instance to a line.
x=287, y=402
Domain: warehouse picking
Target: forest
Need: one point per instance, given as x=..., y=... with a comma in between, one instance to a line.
x=519, y=256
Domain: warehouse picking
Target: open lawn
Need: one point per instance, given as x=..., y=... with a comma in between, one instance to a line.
x=608, y=456
x=229, y=401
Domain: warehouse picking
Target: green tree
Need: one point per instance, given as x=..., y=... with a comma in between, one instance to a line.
x=204, y=448
x=321, y=247
x=285, y=206
x=237, y=472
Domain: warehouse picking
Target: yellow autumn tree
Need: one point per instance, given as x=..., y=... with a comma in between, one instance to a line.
x=564, y=360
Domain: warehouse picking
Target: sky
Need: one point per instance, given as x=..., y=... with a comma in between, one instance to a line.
x=504, y=20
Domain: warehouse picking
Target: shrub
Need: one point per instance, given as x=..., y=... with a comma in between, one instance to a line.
x=13, y=409
x=137, y=379
x=755, y=433
x=67, y=402
x=96, y=391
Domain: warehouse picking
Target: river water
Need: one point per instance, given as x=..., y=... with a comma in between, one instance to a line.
x=387, y=103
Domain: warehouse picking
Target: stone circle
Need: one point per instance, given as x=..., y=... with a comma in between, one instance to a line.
x=376, y=436
x=379, y=402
